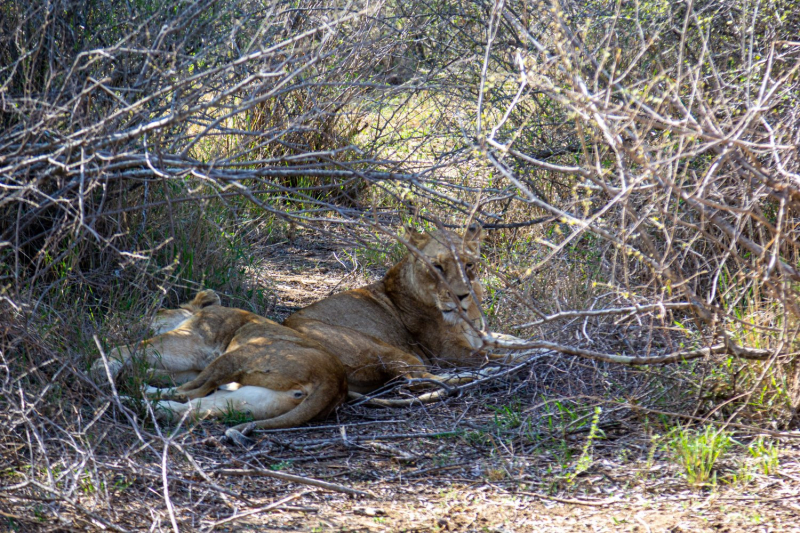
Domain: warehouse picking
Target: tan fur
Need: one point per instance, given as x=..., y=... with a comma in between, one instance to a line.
x=284, y=378
x=168, y=319
x=410, y=319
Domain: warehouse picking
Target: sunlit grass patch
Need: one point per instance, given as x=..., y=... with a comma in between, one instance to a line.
x=698, y=451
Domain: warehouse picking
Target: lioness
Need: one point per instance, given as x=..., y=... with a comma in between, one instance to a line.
x=283, y=378
x=421, y=312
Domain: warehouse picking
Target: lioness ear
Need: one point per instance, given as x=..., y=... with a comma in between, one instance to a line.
x=205, y=298
x=416, y=238
x=474, y=232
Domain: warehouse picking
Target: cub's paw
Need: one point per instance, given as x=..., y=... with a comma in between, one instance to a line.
x=99, y=372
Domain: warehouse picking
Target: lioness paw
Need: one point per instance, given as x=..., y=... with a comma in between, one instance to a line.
x=100, y=373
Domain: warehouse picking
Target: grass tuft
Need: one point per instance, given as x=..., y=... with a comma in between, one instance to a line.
x=697, y=452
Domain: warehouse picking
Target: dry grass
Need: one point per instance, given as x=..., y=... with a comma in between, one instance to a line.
x=634, y=165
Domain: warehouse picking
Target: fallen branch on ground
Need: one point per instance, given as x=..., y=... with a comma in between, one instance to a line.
x=541, y=348
x=270, y=507
x=705, y=420
x=509, y=342
x=471, y=379
x=292, y=478
x=572, y=501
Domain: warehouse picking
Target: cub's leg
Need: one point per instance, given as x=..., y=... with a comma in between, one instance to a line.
x=260, y=402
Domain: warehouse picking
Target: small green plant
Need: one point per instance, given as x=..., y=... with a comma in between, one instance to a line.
x=655, y=443
x=585, y=460
x=476, y=438
x=87, y=483
x=39, y=513
x=282, y=465
x=122, y=483
x=507, y=416
x=698, y=451
x=765, y=455
x=233, y=416
x=564, y=416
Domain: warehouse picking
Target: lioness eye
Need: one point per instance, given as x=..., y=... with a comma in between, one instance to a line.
x=438, y=267
x=470, y=266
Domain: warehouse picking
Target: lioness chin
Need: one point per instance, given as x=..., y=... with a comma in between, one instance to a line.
x=279, y=376
x=423, y=312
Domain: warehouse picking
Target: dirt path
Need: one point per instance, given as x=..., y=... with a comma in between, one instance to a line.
x=303, y=271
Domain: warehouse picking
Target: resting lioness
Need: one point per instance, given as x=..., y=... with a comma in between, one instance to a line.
x=421, y=313
x=283, y=378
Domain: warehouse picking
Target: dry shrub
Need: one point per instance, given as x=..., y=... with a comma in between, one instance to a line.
x=145, y=148
x=638, y=165
x=635, y=166
x=675, y=185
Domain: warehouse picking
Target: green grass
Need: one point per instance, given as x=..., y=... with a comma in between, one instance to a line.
x=764, y=455
x=698, y=451
x=586, y=459
x=232, y=416
x=281, y=465
x=507, y=417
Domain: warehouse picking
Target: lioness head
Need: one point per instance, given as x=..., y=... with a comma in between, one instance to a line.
x=169, y=319
x=446, y=271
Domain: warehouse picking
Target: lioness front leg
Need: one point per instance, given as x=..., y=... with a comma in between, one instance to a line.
x=400, y=365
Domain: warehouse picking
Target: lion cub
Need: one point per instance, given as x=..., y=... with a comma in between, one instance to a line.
x=284, y=378
x=424, y=311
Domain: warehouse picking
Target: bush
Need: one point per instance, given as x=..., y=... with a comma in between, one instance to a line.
x=635, y=166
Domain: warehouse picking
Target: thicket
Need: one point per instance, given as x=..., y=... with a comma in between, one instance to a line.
x=634, y=163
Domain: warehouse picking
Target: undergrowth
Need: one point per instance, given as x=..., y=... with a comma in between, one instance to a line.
x=636, y=184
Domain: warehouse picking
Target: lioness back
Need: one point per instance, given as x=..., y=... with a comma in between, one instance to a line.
x=366, y=310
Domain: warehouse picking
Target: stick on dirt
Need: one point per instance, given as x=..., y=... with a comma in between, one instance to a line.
x=293, y=478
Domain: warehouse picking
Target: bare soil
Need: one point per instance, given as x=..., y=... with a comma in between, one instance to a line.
x=440, y=483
